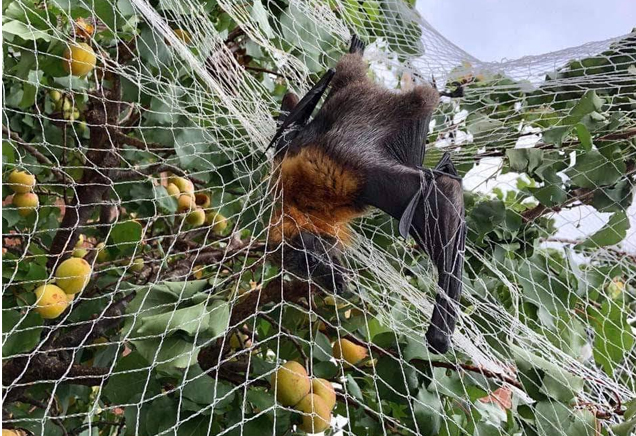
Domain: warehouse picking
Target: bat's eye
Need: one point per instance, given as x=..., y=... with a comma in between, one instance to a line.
x=312, y=261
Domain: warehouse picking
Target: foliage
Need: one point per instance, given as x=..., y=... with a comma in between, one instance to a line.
x=140, y=364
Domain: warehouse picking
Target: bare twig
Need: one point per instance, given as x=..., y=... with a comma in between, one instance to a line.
x=583, y=195
x=154, y=147
x=37, y=155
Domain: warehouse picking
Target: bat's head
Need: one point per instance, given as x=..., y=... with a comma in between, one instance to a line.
x=316, y=258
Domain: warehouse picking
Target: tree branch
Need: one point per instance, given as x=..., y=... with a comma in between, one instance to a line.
x=37, y=155
x=583, y=195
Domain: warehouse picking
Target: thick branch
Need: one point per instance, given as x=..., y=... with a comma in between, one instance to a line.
x=51, y=363
x=95, y=181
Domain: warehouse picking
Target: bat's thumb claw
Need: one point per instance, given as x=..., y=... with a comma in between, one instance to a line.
x=438, y=341
x=357, y=46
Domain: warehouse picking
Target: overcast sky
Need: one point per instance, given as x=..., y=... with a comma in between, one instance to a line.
x=492, y=30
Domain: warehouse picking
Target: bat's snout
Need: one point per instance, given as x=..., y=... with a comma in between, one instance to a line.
x=316, y=259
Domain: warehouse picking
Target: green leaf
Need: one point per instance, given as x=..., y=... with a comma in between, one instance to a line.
x=556, y=381
x=550, y=195
x=486, y=216
x=167, y=203
x=327, y=370
x=525, y=160
x=611, y=234
x=556, y=135
x=614, y=199
x=182, y=290
x=162, y=415
x=26, y=334
x=353, y=388
x=126, y=236
x=592, y=170
x=24, y=31
x=321, y=347
x=613, y=338
x=131, y=377
x=428, y=411
x=195, y=426
x=170, y=354
x=541, y=286
x=584, y=136
x=552, y=418
x=259, y=14
x=302, y=31
x=188, y=319
x=588, y=104
x=207, y=391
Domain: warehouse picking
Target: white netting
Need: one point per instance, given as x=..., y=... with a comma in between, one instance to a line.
x=187, y=316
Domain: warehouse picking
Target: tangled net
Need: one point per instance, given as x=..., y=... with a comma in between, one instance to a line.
x=184, y=318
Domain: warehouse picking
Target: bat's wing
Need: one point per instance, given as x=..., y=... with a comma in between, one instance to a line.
x=295, y=114
x=429, y=206
x=299, y=115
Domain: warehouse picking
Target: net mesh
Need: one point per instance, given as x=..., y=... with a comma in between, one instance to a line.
x=151, y=166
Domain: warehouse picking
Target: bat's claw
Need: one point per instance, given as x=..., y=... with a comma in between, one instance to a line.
x=438, y=341
x=357, y=46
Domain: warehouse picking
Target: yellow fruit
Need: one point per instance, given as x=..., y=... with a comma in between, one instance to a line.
x=183, y=35
x=73, y=275
x=291, y=383
x=84, y=28
x=186, y=203
x=137, y=265
x=173, y=190
x=74, y=115
x=51, y=301
x=196, y=218
x=202, y=200
x=322, y=327
x=6, y=432
x=102, y=254
x=26, y=203
x=217, y=221
x=316, y=414
x=67, y=105
x=80, y=252
x=55, y=95
x=198, y=271
x=331, y=301
x=236, y=342
x=615, y=288
x=350, y=352
x=324, y=389
x=79, y=59
x=184, y=185
x=21, y=182
x=80, y=241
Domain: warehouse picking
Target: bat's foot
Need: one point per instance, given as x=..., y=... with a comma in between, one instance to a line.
x=445, y=165
x=357, y=46
x=438, y=341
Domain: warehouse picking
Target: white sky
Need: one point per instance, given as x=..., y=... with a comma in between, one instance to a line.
x=492, y=30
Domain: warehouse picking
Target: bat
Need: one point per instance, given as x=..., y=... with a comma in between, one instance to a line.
x=364, y=149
